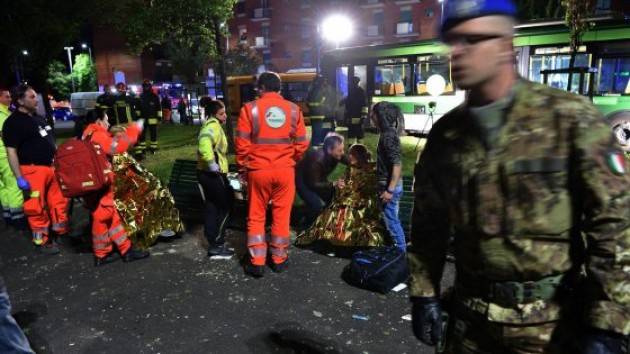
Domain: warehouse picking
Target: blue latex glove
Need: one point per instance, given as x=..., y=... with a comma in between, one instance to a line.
x=214, y=167
x=605, y=342
x=426, y=319
x=23, y=184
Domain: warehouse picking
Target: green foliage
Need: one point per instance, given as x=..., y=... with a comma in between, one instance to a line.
x=242, y=60
x=60, y=81
x=576, y=13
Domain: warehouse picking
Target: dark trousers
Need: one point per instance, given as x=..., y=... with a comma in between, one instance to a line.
x=313, y=202
x=152, y=128
x=219, y=197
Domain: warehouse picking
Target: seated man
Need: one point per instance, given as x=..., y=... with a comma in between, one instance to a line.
x=311, y=176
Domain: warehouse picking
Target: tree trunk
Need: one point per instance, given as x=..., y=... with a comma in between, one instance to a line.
x=571, y=66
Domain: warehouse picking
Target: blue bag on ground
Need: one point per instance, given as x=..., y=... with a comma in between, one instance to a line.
x=377, y=269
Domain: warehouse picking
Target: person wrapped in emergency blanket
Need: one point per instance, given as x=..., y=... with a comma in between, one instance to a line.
x=353, y=219
x=146, y=207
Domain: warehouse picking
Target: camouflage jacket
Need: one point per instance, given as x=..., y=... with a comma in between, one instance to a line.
x=542, y=202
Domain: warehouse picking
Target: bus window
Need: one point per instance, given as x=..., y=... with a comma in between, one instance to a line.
x=295, y=91
x=392, y=80
x=613, y=77
x=431, y=65
x=360, y=71
x=248, y=93
x=341, y=79
x=557, y=58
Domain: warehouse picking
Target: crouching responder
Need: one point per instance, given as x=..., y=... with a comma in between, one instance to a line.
x=30, y=146
x=148, y=108
x=270, y=138
x=107, y=227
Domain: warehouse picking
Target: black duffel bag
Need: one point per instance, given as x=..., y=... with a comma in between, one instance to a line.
x=377, y=269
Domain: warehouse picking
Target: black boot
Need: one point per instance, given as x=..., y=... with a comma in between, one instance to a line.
x=279, y=267
x=98, y=262
x=255, y=271
x=134, y=255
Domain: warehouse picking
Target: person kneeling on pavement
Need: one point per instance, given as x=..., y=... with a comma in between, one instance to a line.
x=107, y=226
x=212, y=168
x=311, y=177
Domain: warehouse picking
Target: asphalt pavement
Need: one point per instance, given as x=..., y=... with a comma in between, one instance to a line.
x=179, y=301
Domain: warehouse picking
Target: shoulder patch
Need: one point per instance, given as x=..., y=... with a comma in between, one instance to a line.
x=616, y=161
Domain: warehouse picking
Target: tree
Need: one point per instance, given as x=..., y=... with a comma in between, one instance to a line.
x=60, y=81
x=242, y=60
x=576, y=15
x=539, y=9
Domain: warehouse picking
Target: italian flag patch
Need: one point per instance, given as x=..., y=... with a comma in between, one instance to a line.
x=616, y=162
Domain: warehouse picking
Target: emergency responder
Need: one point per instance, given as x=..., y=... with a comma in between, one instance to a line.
x=212, y=169
x=10, y=195
x=107, y=226
x=31, y=148
x=270, y=138
x=356, y=110
x=106, y=100
x=148, y=108
x=529, y=182
x=319, y=101
x=123, y=105
x=167, y=109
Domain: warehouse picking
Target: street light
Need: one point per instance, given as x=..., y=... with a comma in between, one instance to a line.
x=25, y=52
x=337, y=29
x=69, y=50
x=85, y=46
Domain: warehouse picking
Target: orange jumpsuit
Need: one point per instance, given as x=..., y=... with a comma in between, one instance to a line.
x=46, y=208
x=107, y=227
x=270, y=139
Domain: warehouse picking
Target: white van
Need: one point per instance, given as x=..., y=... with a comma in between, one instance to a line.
x=82, y=102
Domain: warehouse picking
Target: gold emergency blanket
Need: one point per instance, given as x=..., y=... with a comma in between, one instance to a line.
x=354, y=216
x=145, y=206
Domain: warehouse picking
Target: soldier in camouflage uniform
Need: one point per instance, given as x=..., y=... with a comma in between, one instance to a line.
x=531, y=185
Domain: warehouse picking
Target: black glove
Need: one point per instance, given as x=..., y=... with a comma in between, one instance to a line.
x=426, y=319
x=605, y=342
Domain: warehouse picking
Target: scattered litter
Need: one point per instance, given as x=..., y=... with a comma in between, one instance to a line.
x=349, y=303
x=331, y=254
x=399, y=287
x=406, y=317
x=360, y=317
x=317, y=314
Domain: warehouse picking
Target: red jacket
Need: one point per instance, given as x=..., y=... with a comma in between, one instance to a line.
x=270, y=134
x=111, y=145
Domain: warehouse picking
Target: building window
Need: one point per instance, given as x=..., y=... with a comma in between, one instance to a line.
x=406, y=15
x=429, y=12
x=264, y=31
x=242, y=34
x=239, y=8
x=306, y=31
x=264, y=4
x=307, y=57
x=306, y=3
x=266, y=54
x=603, y=6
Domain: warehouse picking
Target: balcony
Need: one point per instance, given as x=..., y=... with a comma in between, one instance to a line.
x=261, y=13
x=404, y=29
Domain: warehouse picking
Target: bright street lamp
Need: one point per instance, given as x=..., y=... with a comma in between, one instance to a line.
x=85, y=46
x=337, y=29
x=25, y=52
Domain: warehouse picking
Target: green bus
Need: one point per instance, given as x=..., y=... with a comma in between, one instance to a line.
x=399, y=73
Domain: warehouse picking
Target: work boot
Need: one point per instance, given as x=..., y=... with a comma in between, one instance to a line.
x=255, y=271
x=134, y=255
x=49, y=248
x=104, y=260
x=279, y=267
x=220, y=252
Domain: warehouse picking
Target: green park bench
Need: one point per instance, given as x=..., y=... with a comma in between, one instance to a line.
x=188, y=200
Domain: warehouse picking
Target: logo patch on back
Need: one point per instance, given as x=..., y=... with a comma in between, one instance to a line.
x=616, y=162
x=275, y=117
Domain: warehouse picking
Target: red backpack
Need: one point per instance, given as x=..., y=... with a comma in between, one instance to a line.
x=81, y=168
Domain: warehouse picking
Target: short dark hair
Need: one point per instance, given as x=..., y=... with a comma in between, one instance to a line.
x=18, y=92
x=212, y=107
x=94, y=114
x=270, y=81
x=331, y=141
x=361, y=153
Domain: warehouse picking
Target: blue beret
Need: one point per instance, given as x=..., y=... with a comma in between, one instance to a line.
x=457, y=11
